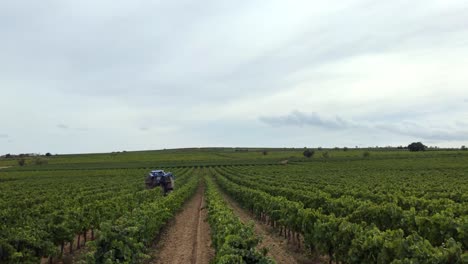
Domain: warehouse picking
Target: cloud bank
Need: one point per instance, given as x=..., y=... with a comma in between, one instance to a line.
x=422, y=130
x=87, y=76
x=297, y=118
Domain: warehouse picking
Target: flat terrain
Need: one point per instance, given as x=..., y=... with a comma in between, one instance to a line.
x=341, y=203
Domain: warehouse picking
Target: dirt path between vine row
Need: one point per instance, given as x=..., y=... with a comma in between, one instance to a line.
x=187, y=237
x=279, y=249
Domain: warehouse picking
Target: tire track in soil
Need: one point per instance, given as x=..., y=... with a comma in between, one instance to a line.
x=278, y=247
x=187, y=238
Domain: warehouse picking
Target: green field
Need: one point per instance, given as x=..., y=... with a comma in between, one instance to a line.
x=391, y=206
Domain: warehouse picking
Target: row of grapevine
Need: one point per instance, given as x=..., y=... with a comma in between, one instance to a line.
x=126, y=239
x=435, y=228
x=40, y=219
x=233, y=241
x=340, y=239
x=420, y=194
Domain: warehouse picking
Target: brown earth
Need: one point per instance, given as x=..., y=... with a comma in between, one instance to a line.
x=278, y=247
x=187, y=237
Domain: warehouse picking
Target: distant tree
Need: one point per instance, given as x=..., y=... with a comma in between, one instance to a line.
x=264, y=152
x=417, y=146
x=40, y=161
x=366, y=154
x=319, y=148
x=8, y=156
x=22, y=162
x=345, y=149
x=308, y=153
x=48, y=154
x=464, y=147
x=325, y=155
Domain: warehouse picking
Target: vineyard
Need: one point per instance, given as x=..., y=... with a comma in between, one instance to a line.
x=389, y=207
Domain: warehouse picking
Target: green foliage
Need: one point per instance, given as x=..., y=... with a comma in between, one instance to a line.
x=234, y=242
x=21, y=162
x=40, y=161
x=308, y=153
x=125, y=239
x=349, y=223
x=394, y=208
x=35, y=222
x=417, y=146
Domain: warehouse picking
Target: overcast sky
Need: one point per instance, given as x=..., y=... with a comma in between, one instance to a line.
x=108, y=75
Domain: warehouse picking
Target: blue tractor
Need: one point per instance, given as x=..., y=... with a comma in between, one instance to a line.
x=160, y=178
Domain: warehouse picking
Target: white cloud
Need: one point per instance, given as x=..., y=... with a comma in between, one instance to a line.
x=134, y=75
x=454, y=131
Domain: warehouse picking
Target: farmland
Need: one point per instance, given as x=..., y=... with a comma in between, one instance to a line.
x=390, y=206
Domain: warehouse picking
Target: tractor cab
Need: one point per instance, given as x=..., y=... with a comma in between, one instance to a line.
x=160, y=178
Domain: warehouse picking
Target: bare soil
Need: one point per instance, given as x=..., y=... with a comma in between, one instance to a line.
x=278, y=247
x=187, y=237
